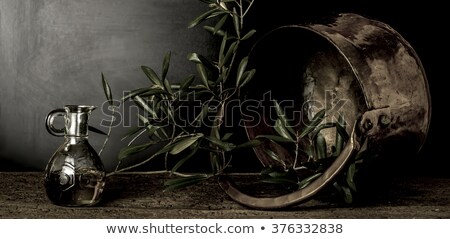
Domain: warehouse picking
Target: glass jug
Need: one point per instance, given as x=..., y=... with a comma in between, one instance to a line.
x=75, y=175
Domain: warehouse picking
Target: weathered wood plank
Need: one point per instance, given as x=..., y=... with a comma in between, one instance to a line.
x=23, y=196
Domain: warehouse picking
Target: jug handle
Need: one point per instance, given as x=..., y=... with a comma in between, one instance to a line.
x=49, y=122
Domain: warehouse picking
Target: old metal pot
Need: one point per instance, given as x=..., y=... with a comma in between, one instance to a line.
x=357, y=69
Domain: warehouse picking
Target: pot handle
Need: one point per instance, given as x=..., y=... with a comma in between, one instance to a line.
x=349, y=151
x=49, y=122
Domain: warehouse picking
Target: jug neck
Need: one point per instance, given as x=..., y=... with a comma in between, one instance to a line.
x=77, y=117
x=75, y=140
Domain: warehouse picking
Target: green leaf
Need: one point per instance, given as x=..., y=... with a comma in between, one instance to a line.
x=147, y=91
x=107, y=90
x=231, y=50
x=222, y=50
x=249, y=34
x=168, y=87
x=143, y=119
x=249, y=144
x=133, y=149
x=214, y=160
x=282, y=117
x=151, y=75
x=236, y=23
x=273, y=155
x=220, y=23
x=345, y=192
x=276, y=138
x=247, y=77
x=314, y=122
x=203, y=75
x=183, y=182
x=199, y=59
x=306, y=181
x=194, y=57
x=341, y=130
x=187, y=82
x=219, y=143
x=321, y=147
x=241, y=70
x=165, y=66
x=201, y=18
x=95, y=130
x=227, y=136
x=184, y=159
x=199, y=118
x=350, y=176
x=280, y=174
x=183, y=144
x=143, y=104
x=282, y=181
x=282, y=131
x=211, y=29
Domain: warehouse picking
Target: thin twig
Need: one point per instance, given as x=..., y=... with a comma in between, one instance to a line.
x=109, y=132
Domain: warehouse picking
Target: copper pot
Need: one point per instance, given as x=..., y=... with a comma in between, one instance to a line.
x=358, y=69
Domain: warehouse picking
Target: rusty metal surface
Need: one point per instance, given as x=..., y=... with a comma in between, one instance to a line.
x=366, y=63
x=390, y=74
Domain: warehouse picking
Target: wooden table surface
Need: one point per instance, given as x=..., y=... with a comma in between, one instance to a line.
x=141, y=196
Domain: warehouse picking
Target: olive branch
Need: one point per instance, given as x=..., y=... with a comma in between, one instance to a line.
x=216, y=82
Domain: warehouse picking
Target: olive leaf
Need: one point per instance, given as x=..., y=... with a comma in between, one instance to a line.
x=314, y=123
x=185, y=158
x=133, y=149
x=248, y=35
x=203, y=75
x=95, y=130
x=241, y=70
x=306, y=181
x=321, y=147
x=202, y=18
x=249, y=144
x=212, y=30
x=222, y=50
x=231, y=50
x=350, y=176
x=220, y=23
x=151, y=75
x=281, y=130
x=236, y=23
x=282, y=117
x=221, y=144
x=147, y=91
x=143, y=104
x=248, y=75
x=183, y=144
x=344, y=191
x=107, y=90
x=165, y=66
x=187, y=82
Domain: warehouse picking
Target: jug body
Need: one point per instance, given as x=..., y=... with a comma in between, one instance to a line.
x=75, y=175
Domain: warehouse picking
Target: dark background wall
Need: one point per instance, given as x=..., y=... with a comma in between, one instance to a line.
x=52, y=53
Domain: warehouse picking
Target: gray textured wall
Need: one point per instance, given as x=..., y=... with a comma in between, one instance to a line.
x=52, y=53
